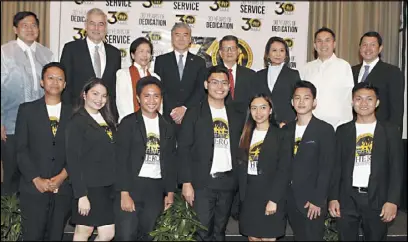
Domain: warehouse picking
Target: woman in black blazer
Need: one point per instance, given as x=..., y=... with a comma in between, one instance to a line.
x=278, y=79
x=91, y=162
x=264, y=158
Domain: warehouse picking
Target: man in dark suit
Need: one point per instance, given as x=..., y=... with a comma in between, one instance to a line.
x=367, y=180
x=182, y=74
x=45, y=194
x=313, y=148
x=91, y=57
x=207, y=147
x=386, y=77
x=146, y=182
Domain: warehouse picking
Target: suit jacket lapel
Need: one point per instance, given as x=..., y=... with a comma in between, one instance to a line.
x=87, y=58
x=45, y=122
x=309, y=132
x=279, y=79
x=373, y=73
x=379, y=140
x=207, y=124
x=108, y=57
x=142, y=126
x=291, y=130
x=163, y=140
x=189, y=60
x=351, y=148
x=356, y=73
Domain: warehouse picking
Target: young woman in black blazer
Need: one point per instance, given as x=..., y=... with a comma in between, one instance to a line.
x=264, y=158
x=91, y=162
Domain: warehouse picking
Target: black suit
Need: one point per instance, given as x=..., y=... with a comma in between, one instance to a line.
x=79, y=69
x=390, y=83
x=90, y=154
x=270, y=184
x=384, y=184
x=147, y=193
x=282, y=91
x=40, y=154
x=190, y=90
x=195, y=153
x=310, y=177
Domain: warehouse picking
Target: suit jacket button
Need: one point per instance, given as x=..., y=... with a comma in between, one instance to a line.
x=53, y=159
x=53, y=143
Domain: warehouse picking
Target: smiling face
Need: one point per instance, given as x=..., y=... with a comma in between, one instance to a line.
x=53, y=81
x=181, y=39
x=303, y=101
x=365, y=102
x=277, y=53
x=260, y=110
x=217, y=86
x=27, y=30
x=142, y=55
x=324, y=45
x=370, y=48
x=95, y=98
x=150, y=99
x=95, y=27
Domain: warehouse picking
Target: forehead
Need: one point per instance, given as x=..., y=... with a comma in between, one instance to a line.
x=218, y=76
x=229, y=43
x=54, y=69
x=324, y=35
x=95, y=17
x=364, y=92
x=28, y=19
x=151, y=88
x=98, y=88
x=259, y=101
x=369, y=39
x=303, y=91
x=181, y=30
x=143, y=46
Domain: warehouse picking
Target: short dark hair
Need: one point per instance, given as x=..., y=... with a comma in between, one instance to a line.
x=305, y=84
x=372, y=34
x=21, y=15
x=228, y=38
x=216, y=69
x=268, y=48
x=365, y=85
x=324, y=29
x=136, y=43
x=52, y=64
x=148, y=80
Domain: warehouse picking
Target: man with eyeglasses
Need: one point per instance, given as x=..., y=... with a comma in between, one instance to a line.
x=207, y=149
x=333, y=79
x=91, y=57
x=21, y=64
x=182, y=74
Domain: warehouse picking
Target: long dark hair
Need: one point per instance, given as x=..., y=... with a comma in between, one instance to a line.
x=247, y=132
x=106, y=110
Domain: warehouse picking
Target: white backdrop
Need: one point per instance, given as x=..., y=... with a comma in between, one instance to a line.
x=404, y=68
x=253, y=22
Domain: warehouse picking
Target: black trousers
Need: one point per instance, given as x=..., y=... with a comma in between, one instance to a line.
x=303, y=228
x=213, y=208
x=11, y=177
x=44, y=216
x=149, y=202
x=356, y=212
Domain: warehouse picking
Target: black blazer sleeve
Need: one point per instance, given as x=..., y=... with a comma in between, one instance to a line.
x=197, y=96
x=185, y=144
x=25, y=164
x=334, y=191
x=123, y=150
x=73, y=145
x=395, y=164
x=280, y=181
x=66, y=61
x=326, y=161
x=171, y=160
x=396, y=96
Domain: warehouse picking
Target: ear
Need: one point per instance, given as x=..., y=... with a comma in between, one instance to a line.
x=291, y=101
x=65, y=84
x=138, y=99
x=132, y=55
x=334, y=44
x=314, y=103
x=42, y=83
x=84, y=95
x=380, y=49
x=206, y=85
x=15, y=30
x=378, y=103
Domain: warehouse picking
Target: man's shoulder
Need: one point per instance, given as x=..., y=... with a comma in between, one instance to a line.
x=388, y=66
x=246, y=70
x=43, y=49
x=340, y=61
x=112, y=48
x=324, y=126
x=163, y=56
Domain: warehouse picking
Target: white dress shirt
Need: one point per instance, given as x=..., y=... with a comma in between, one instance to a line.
x=362, y=69
x=102, y=53
x=30, y=50
x=124, y=91
x=273, y=73
x=333, y=79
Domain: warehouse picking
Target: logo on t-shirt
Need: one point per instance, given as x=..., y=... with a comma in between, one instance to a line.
x=152, y=148
x=364, y=147
x=296, y=147
x=254, y=152
x=221, y=133
x=54, y=124
x=108, y=131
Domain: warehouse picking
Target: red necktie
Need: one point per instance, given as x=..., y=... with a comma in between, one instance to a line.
x=231, y=79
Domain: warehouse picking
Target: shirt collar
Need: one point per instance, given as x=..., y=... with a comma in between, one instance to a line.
x=372, y=64
x=233, y=68
x=178, y=54
x=24, y=46
x=333, y=57
x=278, y=67
x=139, y=67
x=92, y=44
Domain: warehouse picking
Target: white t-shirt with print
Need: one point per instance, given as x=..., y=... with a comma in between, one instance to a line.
x=54, y=112
x=255, y=150
x=222, y=152
x=151, y=164
x=299, y=131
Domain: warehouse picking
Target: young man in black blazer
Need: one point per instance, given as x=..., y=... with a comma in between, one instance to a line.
x=207, y=147
x=146, y=173
x=367, y=176
x=311, y=168
x=45, y=193
x=388, y=78
x=91, y=57
x=182, y=74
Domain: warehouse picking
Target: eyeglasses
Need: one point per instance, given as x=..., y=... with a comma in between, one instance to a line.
x=217, y=82
x=229, y=49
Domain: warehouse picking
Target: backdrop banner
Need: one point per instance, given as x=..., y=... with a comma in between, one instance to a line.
x=253, y=22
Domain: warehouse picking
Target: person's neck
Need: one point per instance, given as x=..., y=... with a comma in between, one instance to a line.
x=141, y=67
x=229, y=65
x=304, y=119
x=216, y=103
x=181, y=51
x=276, y=64
x=325, y=58
x=52, y=100
x=149, y=115
x=29, y=43
x=366, y=119
x=262, y=126
x=91, y=111
x=370, y=61
x=96, y=41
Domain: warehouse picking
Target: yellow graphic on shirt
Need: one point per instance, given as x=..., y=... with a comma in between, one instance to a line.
x=108, y=131
x=254, y=152
x=364, y=146
x=221, y=133
x=152, y=148
x=296, y=147
x=54, y=124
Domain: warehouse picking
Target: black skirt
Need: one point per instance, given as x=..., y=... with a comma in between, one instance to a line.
x=101, y=213
x=252, y=219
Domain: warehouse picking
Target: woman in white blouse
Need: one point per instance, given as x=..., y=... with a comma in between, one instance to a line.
x=141, y=51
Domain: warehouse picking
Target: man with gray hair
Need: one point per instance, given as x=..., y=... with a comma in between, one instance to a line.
x=182, y=74
x=91, y=57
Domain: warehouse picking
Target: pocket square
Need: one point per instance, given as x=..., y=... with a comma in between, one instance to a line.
x=310, y=142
